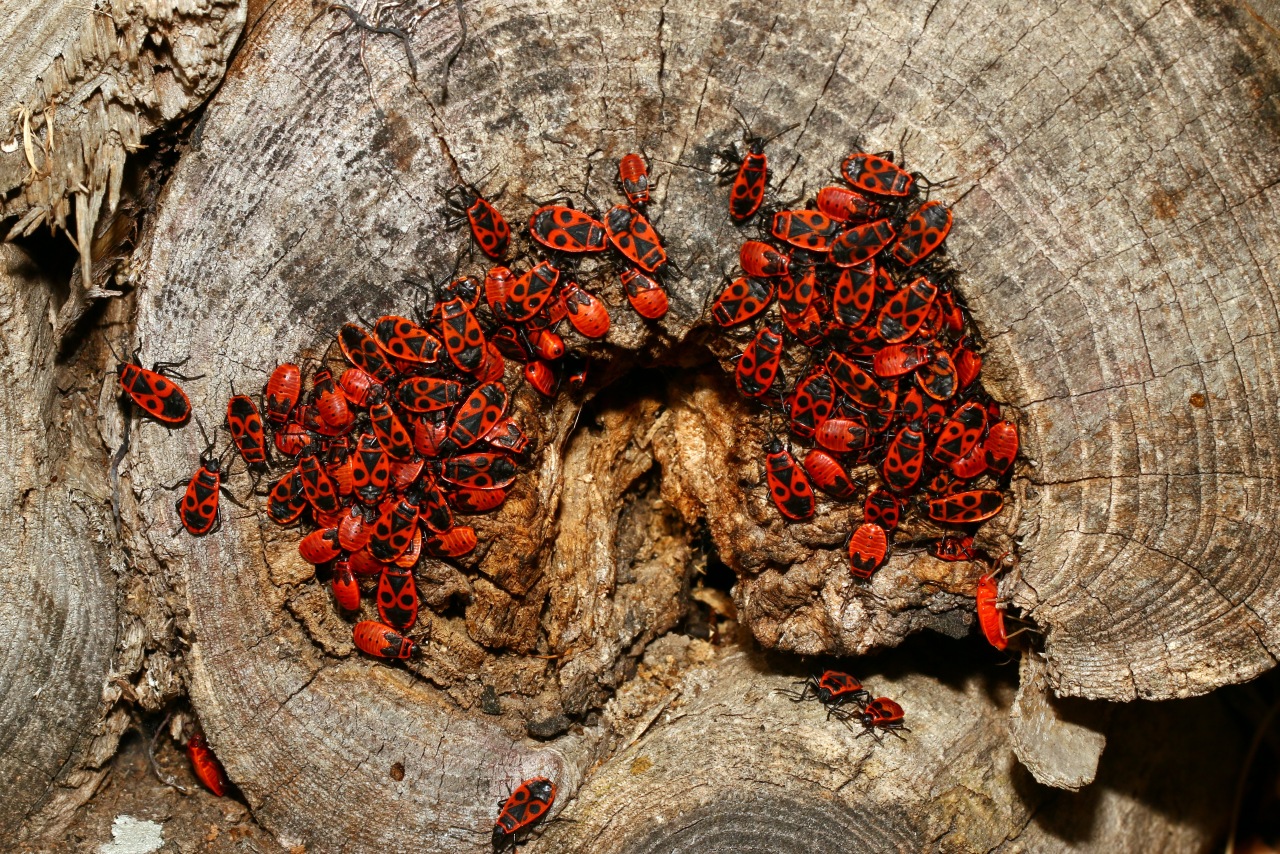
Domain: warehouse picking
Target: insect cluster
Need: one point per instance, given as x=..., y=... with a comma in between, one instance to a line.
x=846, y=700
x=885, y=384
x=527, y=307
x=413, y=433
x=415, y=430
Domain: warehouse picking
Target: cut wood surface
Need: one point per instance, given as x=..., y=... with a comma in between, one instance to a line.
x=84, y=85
x=58, y=600
x=1115, y=194
x=771, y=775
x=1112, y=196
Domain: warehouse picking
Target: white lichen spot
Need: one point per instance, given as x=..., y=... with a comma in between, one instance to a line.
x=133, y=836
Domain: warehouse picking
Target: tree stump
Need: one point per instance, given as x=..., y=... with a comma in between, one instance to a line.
x=1114, y=190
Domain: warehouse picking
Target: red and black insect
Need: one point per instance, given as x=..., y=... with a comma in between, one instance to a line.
x=346, y=591
x=433, y=507
x=477, y=415
x=795, y=294
x=488, y=227
x=760, y=260
x=854, y=294
x=370, y=470
x=806, y=229
x=882, y=507
x=922, y=233
x=390, y=431
x=329, y=404
x=527, y=804
x=463, y=338
x=811, y=403
x=566, y=229
x=833, y=689
x=1001, y=446
x=479, y=471
x=861, y=243
x=356, y=528
x=826, y=473
x=586, y=312
x=906, y=310
x=245, y=425
x=497, y=282
x=394, y=529
x=530, y=292
x=868, y=548
x=880, y=417
x=156, y=394
x=876, y=174
x=854, y=381
x=506, y=435
x=975, y=505
x=546, y=344
x=844, y=435
x=633, y=236
x=363, y=351
x=954, y=549
x=428, y=394
x=898, y=359
x=287, y=499
x=882, y=715
x=904, y=460
x=788, y=484
x=541, y=376
x=374, y=638
x=198, y=506
x=633, y=177
x=205, y=765
x=990, y=614
x=844, y=205
x=962, y=431
x=478, y=500
x=281, y=393
x=742, y=300
x=758, y=366
x=645, y=293
x=320, y=546
x=357, y=386
x=316, y=483
x=401, y=338
x=397, y=598
x=291, y=439
x=971, y=464
x=456, y=542
x=938, y=378
x=968, y=363
x=752, y=175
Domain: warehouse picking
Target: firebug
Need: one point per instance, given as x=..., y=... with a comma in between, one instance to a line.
x=567, y=230
x=874, y=174
x=788, y=484
x=528, y=803
x=867, y=550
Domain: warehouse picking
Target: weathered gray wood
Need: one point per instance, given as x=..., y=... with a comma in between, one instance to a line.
x=1116, y=221
x=58, y=571
x=770, y=775
x=85, y=84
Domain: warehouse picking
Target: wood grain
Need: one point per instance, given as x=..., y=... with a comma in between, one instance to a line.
x=58, y=570
x=1115, y=196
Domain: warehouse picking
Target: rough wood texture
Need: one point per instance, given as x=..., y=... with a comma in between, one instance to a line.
x=1115, y=200
x=770, y=775
x=58, y=570
x=84, y=84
